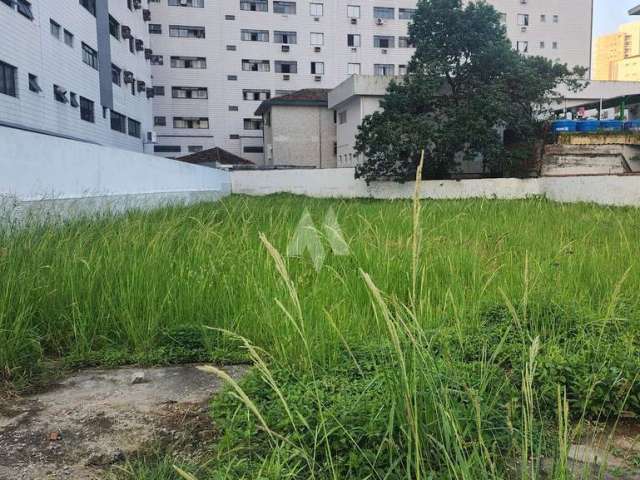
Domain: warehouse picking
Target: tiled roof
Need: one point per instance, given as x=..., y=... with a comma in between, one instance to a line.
x=306, y=97
x=215, y=155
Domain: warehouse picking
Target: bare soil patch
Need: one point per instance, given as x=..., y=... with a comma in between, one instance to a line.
x=95, y=418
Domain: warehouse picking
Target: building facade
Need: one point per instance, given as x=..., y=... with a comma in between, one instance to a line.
x=77, y=69
x=617, y=55
x=215, y=61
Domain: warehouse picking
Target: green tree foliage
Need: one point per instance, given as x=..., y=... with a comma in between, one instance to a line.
x=463, y=84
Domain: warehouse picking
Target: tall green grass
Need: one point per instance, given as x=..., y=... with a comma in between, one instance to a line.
x=459, y=339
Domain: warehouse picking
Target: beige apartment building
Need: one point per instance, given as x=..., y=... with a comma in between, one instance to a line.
x=215, y=61
x=617, y=55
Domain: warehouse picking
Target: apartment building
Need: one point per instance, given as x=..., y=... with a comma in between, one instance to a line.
x=214, y=62
x=78, y=69
x=617, y=55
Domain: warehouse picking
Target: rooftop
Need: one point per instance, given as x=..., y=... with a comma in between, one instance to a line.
x=215, y=155
x=308, y=97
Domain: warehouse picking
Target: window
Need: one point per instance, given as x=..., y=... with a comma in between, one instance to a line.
x=33, y=83
x=289, y=38
x=24, y=8
x=254, y=5
x=542, y=45
x=556, y=19
x=286, y=8
x=159, y=121
x=155, y=28
x=229, y=17
x=286, y=67
x=186, y=32
x=523, y=19
x=522, y=47
x=158, y=91
x=89, y=56
x=191, y=122
x=353, y=11
x=55, y=29
x=156, y=60
x=189, y=92
x=118, y=122
x=189, y=62
x=503, y=18
x=250, y=149
x=382, y=69
x=256, y=65
x=404, y=42
x=187, y=3
x=342, y=117
x=256, y=95
x=353, y=40
x=317, y=39
x=383, y=12
x=87, y=112
x=254, y=35
x=232, y=78
x=68, y=38
x=353, y=68
x=195, y=148
x=543, y=18
x=554, y=45
x=380, y=41
x=234, y=108
x=317, y=68
x=316, y=9
x=134, y=128
x=406, y=13
x=60, y=94
x=116, y=75
x=166, y=148
x=402, y=69
x=114, y=27
x=253, y=124
x=132, y=45
x=90, y=5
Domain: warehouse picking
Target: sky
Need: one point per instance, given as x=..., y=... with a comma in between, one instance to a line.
x=608, y=14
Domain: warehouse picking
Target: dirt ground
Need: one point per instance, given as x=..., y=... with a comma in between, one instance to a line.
x=95, y=418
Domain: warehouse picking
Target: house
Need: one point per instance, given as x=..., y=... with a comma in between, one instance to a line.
x=299, y=130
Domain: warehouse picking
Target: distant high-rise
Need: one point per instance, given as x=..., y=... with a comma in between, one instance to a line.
x=617, y=55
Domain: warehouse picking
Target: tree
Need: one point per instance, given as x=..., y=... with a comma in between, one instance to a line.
x=464, y=85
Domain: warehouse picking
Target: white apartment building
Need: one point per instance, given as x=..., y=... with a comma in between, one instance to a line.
x=216, y=60
x=77, y=69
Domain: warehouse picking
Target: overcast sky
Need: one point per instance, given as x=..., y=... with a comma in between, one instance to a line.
x=608, y=14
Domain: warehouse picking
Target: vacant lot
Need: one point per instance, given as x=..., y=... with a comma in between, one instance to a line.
x=462, y=354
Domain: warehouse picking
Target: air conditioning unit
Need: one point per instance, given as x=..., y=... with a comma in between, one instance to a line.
x=286, y=77
x=317, y=49
x=384, y=51
x=128, y=76
x=152, y=137
x=147, y=53
x=523, y=29
x=184, y=3
x=126, y=32
x=286, y=48
x=354, y=50
x=139, y=45
x=354, y=21
x=146, y=15
x=316, y=19
x=151, y=93
x=137, y=4
x=142, y=87
x=318, y=78
x=379, y=21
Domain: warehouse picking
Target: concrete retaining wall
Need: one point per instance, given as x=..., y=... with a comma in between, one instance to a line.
x=340, y=183
x=53, y=175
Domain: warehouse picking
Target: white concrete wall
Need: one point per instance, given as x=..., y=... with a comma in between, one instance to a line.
x=340, y=183
x=48, y=173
